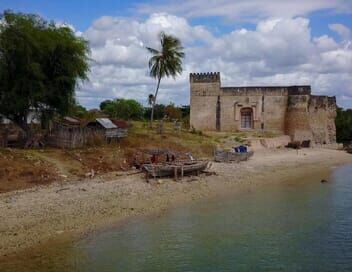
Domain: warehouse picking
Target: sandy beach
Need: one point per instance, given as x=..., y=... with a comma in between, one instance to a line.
x=34, y=216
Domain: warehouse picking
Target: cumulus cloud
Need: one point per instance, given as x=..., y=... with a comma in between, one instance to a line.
x=342, y=30
x=279, y=51
x=245, y=10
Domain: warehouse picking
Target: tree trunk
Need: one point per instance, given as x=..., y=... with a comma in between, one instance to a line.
x=28, y=133
x=153, y=102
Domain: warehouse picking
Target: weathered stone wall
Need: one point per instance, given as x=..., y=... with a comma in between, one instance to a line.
x=297, y=123
x=205, y=91
x=322, y=114
x=274, y=113
x=232, y=101
x=267, y=103
x=283, y=110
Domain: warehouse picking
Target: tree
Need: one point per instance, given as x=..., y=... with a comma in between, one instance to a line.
x=343, y=124
x=123, y=109
x=173, y=112
x=81, y=112
x=40, y=66
x=167, y=61
x=103, y=104
x=159, y=112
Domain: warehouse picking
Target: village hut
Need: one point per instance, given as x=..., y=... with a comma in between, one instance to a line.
x=10, y=135
x=105, y=127
x=122, y=127
x=67, y=132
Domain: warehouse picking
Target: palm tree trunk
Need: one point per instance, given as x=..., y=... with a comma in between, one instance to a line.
x=154, y=101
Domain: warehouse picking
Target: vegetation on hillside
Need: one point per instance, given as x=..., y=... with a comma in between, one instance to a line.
x=40, y=66
x=26, y=168
x=343, y=123
x=127, y=109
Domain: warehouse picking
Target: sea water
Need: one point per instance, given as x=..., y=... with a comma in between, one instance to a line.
x=298, y=225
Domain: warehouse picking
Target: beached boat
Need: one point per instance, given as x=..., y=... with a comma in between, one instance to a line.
x=176, y=169
x=228, y=155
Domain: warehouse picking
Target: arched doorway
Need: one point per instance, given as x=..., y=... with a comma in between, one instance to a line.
x=246, y=118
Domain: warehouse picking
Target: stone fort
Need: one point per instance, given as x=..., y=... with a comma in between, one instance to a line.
x=283, y=110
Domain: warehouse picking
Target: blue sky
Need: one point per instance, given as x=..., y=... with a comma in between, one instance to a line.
x=82, y=13
x=250, y=42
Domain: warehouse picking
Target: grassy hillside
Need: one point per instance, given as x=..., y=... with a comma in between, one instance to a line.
x=26, y=168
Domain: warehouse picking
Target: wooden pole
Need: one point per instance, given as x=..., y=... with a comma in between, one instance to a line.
x=175, y=172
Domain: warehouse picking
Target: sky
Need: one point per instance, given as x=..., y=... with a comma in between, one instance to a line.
x=250, y=42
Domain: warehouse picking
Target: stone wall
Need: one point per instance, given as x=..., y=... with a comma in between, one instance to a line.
x=267, y=103
x=322, y=114
x=297, y=124
x=205, y=91
x=282, y=110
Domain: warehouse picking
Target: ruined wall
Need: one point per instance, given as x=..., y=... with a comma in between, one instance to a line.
x=232, y=101
x=297, y=124
x=321, y=116
x=274, y=113
x=267, y=103
x=205, y=91
x=283, y=110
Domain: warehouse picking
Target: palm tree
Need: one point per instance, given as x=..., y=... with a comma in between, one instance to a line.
x=165, y=62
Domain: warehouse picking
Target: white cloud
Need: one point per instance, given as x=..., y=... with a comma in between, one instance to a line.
x=253, y=10
x=342, y=30
x=277, y=52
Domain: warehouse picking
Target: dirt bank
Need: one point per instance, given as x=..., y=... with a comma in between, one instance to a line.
x=60, y=210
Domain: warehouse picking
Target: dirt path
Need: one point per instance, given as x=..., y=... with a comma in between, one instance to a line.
x=64, y=167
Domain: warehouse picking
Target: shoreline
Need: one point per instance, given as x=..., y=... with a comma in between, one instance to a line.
x=33, y=217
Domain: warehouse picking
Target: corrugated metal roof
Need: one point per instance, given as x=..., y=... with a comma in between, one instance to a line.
x=120, y=123
x=106, y=123
x=71, y=120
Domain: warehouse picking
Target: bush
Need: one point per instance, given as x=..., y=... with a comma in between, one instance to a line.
x=343, y=123
x=127, y=109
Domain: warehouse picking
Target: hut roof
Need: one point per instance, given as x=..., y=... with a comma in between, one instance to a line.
x=120, y=123
x=106, y=123
x=71, y=120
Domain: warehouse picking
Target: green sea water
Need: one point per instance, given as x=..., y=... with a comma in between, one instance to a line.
x=296, y=225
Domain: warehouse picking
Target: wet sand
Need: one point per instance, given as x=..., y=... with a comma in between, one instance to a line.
x=35, y=216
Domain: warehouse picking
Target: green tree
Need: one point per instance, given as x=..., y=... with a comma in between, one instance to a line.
x=40, y=66
x=165, y=62
x=81, y=112
x=127, y=109
x=159, y=112
x=343, y=124
x=103, y=104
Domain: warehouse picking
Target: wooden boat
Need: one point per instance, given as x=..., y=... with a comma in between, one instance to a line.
x=175, y=169
x=231, y=156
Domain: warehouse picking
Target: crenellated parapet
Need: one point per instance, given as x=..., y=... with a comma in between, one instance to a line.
x=204, y=77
